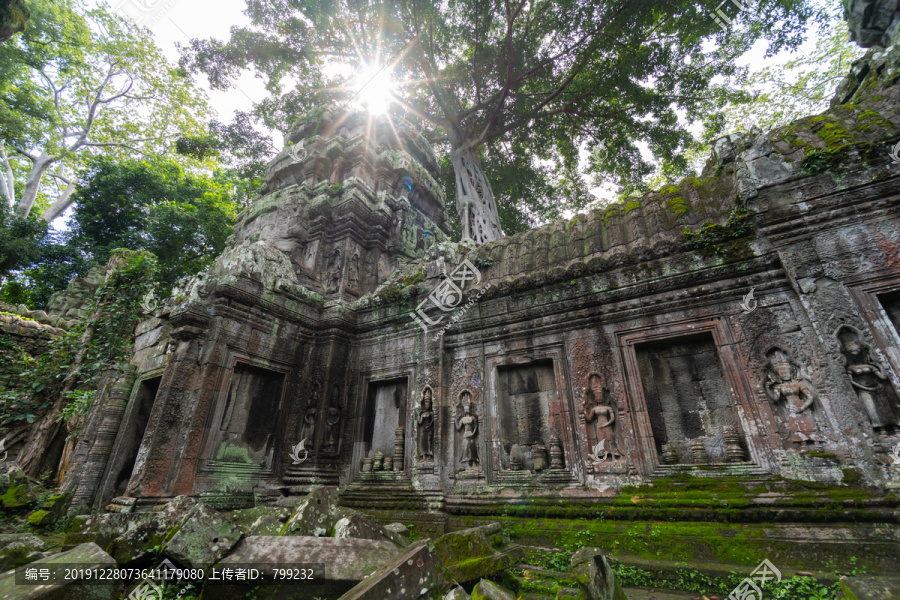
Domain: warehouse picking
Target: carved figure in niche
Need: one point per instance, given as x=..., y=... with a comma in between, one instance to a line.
x=784, y=384
x=333, y=419
x=871, y=383
x=308, y=427
x=605, y=417
x=335, y=268
x=310, y=254
x=353, y=270
x=468, y=423
x=369, y=265
x=425, y=422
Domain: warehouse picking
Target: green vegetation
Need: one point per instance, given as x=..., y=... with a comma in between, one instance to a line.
x=713, y=239
x=63, y=380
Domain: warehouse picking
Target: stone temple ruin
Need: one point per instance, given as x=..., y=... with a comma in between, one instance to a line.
x=742, y=326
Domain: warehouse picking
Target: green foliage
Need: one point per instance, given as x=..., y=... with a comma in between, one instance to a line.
x=70, y=88
x=711, y=236
x=233, y=453
x=99, y=341
x=20, y=240
x=526, y=87
x=78, y=403
x=153, y=205
x=774, y=96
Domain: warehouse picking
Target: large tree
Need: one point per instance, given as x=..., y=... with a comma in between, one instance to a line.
x=153, y=204
x=79, y=82
x=545, y=78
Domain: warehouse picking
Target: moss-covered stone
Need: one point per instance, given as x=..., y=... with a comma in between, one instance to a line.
x=19, y=549
x=488, y=590
x=203, y=539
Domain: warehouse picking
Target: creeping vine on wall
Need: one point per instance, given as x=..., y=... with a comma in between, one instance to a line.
x=100, y=340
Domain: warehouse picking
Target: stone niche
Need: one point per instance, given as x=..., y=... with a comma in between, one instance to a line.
x=687, y=397
x=131, y=434
x=384, y=413
x=246, y=422
x=526, y=396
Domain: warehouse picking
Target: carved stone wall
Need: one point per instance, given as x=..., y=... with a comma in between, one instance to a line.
x=565, y=361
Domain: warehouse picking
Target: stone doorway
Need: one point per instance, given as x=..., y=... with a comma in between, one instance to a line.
x=385, y=412
x=688, y=398
x=249, y=417
x=525, y=394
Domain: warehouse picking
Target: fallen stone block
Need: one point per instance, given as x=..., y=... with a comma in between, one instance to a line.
x=488, y=590
x=571, y=594
x=17, y=549
x=203, y=539
x=467, y=555
x=870, y=588
x=85, y=559
x=357, y=525
x=261, y=520
x=100, y=529
x=151, y=531
x=341, y=560
x=402, y=532
x=410, y=576
x=592, y=569
x=457, y=593
x=16, y=492
x=315, y=514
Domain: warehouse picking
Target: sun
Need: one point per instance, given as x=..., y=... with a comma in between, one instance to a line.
x=374, y=89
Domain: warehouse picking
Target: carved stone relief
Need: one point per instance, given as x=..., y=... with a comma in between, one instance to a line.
x=308, y=425
x=872, y=385
x=467, y=431
x=785, y=386
x=600, y=417
x=333, y=416
x=425, y=426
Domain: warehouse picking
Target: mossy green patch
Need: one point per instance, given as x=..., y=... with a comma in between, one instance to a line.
x=16, y=496
x=38, y=518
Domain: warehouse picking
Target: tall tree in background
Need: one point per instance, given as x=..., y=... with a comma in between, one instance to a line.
x=774, y=96
x=83, y=81
x=154, y=204
x=539, y=78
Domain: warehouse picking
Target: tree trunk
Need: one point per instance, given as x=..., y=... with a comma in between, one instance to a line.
x=61, y=204
x=38, y=168
x=474, y=197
